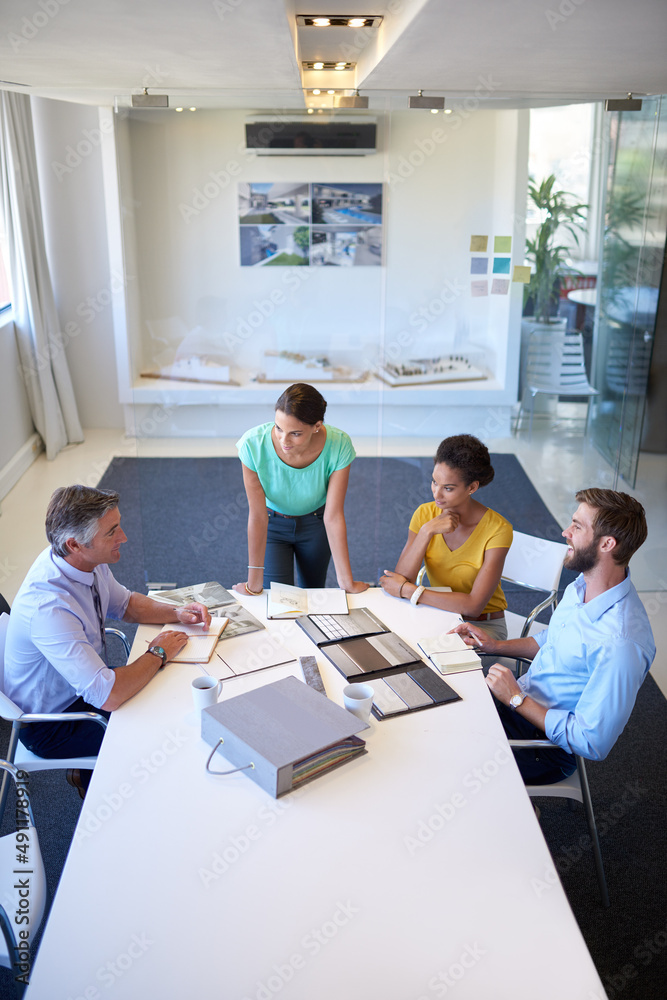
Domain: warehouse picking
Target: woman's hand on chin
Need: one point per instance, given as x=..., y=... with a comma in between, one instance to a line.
x=444, y=523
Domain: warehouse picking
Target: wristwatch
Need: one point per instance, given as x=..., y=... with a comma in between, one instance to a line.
x=158, y=651
x=517, y=700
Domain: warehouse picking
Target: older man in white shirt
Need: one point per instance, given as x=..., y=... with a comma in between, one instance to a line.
x=56, y=650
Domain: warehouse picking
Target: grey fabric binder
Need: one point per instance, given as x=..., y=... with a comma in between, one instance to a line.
x=278, y=727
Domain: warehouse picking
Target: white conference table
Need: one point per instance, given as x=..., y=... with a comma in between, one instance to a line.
x=413, y=872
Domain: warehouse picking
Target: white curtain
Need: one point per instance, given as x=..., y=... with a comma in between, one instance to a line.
x=40, y=342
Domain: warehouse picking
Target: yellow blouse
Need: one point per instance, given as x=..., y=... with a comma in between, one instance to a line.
x=458, y=569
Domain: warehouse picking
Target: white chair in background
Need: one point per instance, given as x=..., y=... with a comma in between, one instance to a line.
x=555, y=366
x=535, y=563
x=18, y=754
x=22, y=885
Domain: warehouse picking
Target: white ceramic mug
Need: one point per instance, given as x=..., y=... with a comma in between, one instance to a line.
x=358, y=699
x=205, y=691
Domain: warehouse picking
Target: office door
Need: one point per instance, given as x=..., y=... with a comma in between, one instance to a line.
x=631, y=267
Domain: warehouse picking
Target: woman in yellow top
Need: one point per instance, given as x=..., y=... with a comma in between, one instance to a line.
x=462, y=543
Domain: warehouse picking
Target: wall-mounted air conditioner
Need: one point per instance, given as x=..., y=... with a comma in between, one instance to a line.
x=306, y=135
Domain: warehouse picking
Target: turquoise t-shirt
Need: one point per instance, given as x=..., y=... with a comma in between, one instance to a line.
x=289, y=490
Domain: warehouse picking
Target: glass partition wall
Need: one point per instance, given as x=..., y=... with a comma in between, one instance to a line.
x=387, y=280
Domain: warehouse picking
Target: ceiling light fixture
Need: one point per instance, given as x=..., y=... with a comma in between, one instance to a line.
x=147, y=100
x=628, y=103
x=178, y=109
x=328, y=65
x=355, y=101
x=422, y=103
x=339, y=20
x=316, y=92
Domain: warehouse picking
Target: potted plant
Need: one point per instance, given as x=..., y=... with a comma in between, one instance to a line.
x=548, y=255
x=558, y=212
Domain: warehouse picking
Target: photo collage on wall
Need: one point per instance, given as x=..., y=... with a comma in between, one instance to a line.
x=318, y=225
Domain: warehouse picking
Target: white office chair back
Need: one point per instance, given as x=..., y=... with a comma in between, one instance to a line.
x=8, y=709
x=4, y=625
x=534, y=562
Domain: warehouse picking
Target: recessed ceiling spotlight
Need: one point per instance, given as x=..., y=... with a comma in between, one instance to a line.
x=448, y=111
x=426, y=103
x=328, y=65
x=193, y=109
x=331, y=91
x=178, y=109
x=319, y=111
x=339, y=20
x=434, y=111
x=310, y=111
x=316, y=92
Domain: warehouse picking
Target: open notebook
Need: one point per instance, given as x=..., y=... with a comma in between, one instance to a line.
x=449, y=653
x=200, y=645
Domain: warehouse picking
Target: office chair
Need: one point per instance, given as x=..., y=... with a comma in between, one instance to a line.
x=556, y=367
x=534, y=563
x=22, y=885
x=18, y=754
x=575, y=788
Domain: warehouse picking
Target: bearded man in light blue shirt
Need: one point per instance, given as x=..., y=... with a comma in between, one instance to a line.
x=588, y=666
x=56, y=646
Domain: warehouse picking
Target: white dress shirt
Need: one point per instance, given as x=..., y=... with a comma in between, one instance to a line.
x=54, y=644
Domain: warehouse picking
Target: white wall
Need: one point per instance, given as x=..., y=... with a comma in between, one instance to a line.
x=445, y=179
x=68, y=140
x=15, y=419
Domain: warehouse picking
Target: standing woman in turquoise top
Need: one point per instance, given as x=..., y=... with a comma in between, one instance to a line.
x=295, y=473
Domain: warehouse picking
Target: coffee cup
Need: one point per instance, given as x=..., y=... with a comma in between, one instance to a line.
x=205, y=691
x=358, y=699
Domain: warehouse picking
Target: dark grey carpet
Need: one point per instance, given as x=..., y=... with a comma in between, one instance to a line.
x=185, y=519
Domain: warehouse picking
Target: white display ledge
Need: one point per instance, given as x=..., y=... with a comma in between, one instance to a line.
x=371, y=392
x=157, y=408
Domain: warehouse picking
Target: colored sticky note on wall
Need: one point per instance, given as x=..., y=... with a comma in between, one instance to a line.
x=521, y=274
x=479, y=265
x=478, y=244
x=501, y=265
x=500, y=286
x=479, y=288
x=502, y=244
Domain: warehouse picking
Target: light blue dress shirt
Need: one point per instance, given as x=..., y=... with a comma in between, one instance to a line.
x=54, y=644
x=591, y=663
